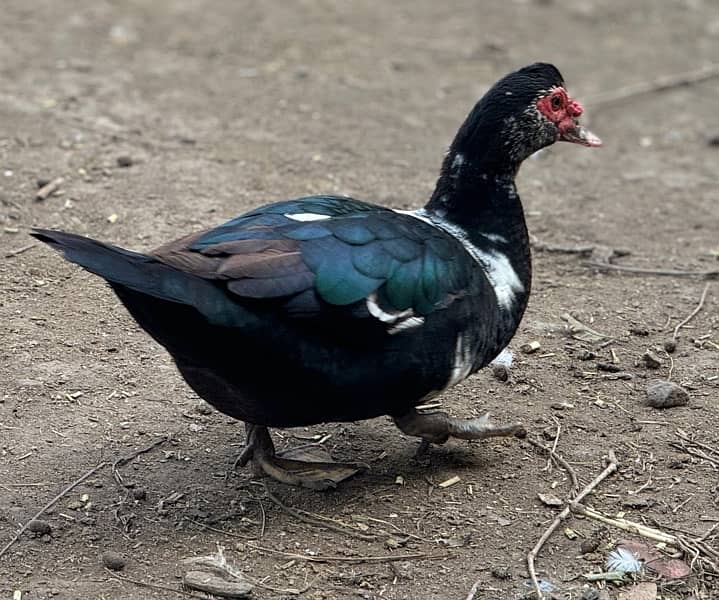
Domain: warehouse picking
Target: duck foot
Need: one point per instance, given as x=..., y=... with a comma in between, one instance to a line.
x=308, y=472
x=437, y=428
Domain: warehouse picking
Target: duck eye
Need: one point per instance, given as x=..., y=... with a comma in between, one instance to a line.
x=556, y=102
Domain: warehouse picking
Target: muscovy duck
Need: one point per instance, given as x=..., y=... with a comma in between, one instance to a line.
x=327, y=308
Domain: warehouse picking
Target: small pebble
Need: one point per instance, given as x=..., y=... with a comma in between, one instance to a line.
x=609, y=367
x=39, y=527
x=203, y=408
x=670, y=346
x=713, y=140
x=139, y=493
x=124, y=161
x=587, y=355
x=665, y=394
x=639, y=331
x=113, y=561
x=500, y=372
x=651, y=360
x=42, y=182
x=501, y=573
x=589, y=545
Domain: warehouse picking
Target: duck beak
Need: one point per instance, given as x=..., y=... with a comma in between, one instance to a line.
x=576, y=134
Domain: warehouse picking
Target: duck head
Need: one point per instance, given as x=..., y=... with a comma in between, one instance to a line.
x=522, y=113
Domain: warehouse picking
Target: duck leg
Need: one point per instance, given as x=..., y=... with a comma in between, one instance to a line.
x=308, y=473
x=437, y=428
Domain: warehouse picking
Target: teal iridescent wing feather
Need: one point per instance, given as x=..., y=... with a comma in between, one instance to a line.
x=327, y=250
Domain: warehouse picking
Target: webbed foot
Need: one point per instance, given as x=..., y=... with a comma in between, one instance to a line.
x=304, y=469
x=438, y=427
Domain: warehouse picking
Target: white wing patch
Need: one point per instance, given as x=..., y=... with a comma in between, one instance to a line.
x=497, y=266
x=397, y=321
x=463, y=361
x=306, y=217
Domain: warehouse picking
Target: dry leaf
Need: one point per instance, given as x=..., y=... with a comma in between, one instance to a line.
x=580, y=331
x=670, y=568
x=550, y=500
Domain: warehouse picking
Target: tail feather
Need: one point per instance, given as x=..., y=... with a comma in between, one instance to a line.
x=144, y=274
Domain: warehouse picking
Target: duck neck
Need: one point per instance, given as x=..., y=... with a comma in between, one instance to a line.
x=483, y=207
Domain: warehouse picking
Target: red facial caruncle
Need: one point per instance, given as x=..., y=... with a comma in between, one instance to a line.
x=562, y=110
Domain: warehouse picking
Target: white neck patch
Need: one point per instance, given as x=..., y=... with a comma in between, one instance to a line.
x=496, y=264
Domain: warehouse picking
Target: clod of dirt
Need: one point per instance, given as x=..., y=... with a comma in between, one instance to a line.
x=500, y=372
x=113, y=561
x=501, y=573
x=639, y=331
x=670, y=346
x=587, y=355
x=608, y=367
x=124, y=161
x=651, y=360
x=713, y=140
x=589, y=545
x=212, y=583
x=665, y=394
x=139, y=493
x=39, y=527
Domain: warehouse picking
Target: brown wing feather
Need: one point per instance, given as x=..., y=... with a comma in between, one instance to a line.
x=253, y=268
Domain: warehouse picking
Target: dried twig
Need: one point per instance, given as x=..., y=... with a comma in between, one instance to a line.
x=660, y=84
x=713, y=274
x=697, y=453
x=693, y=313
x=546, y=247
x=154, y=586
x=561, y=461
x=349, y=559
x=123, y=460
x=473, y=590
x=283, y=591
x=318, y=520
x=553, y=450
x=52, y=502
x=218, y=530
x=611, y=468
x=49, y=188
x=686, y=438
x=20, y=250
x=630, y=526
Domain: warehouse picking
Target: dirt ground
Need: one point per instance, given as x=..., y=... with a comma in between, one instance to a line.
x=163, y=117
